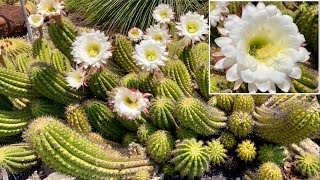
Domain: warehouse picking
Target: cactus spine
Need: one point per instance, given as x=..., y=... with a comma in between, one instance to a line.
x=217, y=152
x=170, y=89
x=101, y=83
x=225, y=102
x=78, y=156
x=14, y=46
x=159, y=146
x=246, y=150
x=240, y=123
x=269, y=171
x=13, y=122
x=77, y=118
x=59, y=61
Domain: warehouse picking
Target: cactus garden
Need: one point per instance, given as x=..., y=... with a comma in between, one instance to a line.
x=130, y=99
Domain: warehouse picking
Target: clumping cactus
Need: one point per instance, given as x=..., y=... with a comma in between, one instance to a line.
x=159, y=146
x=183, y=133
x=191, y=158
x=271, y=153
x=43, y=106
x=243, y=103
x=246, y=150
x=193, y=114
x=17, y=158
x=77, y=156
x=161, y=113
x=14, y=46
x=308, y=164
x=240, y=123
x=269, y=171
x=144, y=132
x=216, y=152
x=170, y=89
x=142, y=175
x=102, y=82
x=228, y=140
x=13, y=122
x=77, y=118
x=225, y=102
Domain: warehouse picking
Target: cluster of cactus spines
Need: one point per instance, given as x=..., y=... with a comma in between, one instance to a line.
x=193, y=114
x=225, y=102
x=244, y=103
x=103, y=119
x=184, y=133
x=169, y=89
x=202, y=79
x=189, y=59
x=77, y=156
x=144, y=132
x=240, y=123
x=308, y=83
x=161, y=113
x=14, y=46
x=52, y=84
x=271, y=153
x=13, y=122
x=176, y=70
x=287, y=120
x=43, y=106
x=216, y=152
x=159, y=146
x=122, y=55
x=308, y=164
x=102, y=82
x=269, y=171
x=191, y=158
x=228, y=140
x=142, y=175
x=59, y=61
x=246, y=150
x=17, y=158
x=41, y=50
x=77, y=118
x=213, y=101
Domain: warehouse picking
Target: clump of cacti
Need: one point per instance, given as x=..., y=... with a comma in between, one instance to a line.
x=159, y=146
x=246, y=150
x=269, y=171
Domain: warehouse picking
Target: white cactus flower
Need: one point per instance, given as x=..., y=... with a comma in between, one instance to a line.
x=76, y=78
x=158, y=34
x=135, y=34
x=35, y=20
x=50, y=7
x=163, y=13
x=217, y=9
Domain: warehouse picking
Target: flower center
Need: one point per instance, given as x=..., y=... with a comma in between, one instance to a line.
x=93, y=49
x=192, y=26
x=50, y=8
x=151, y=54
x=164, y=14
x=36, y=19
x=135, y=33
x=129, y=102
x=158, y=37
x=78, y=77
x=261, y=48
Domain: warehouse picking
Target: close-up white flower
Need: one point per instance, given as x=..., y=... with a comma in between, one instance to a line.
x=193, y=26
x=91, y=49
x=158, y=34
x=76, y=78
x=130, y=103
x=50, y=7
x=163, y=13
x=217, y=9
x=150, y=54
x=135, y=34
x=262, y=48
x=35, y=20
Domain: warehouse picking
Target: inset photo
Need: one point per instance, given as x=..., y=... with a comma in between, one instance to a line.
x=264, y=47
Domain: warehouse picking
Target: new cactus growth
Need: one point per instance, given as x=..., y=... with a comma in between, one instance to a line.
x=77, y=156
x=130, y=81
x=246, y=150
x=192, y=113
x=17, y=158
x=191, y=158
x=144, y=132
x=159, y=146
x=240, y=123
x=77, y=118
x=269, y=171
x=225, y=102
x=13, y=122
x=102, y=82
x=216, y=152
x=228, y=140
x=43, y=106
x=170, y=89
x=243, y=103
x=308, y=164
x=270, y=153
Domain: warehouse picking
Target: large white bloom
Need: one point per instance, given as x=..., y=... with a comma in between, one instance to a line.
x=50, y=7
x=193, y=26
x=150, y=54
x=76, y=78
x=217, y=9
x=163, y=13
x=158, y=34
x=35, y=20
x=135, y=34
x=91, y=49
x=262, y=49
x=129, y=103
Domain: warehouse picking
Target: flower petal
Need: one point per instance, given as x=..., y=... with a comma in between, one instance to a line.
x=264, y=86
x=219, y=64
x=247, y=76
x=232, y=74
x=296, y=72
x=222, y=41
x=252, y=88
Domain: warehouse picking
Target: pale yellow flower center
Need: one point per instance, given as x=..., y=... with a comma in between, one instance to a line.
x=93, y=49
x=192, y=27
x=50, y=7
x=78, y=77
x=262, y=49
x=151, y=54
x=135, y=32
x=164, y=13
x=158, y=37
x=130, y=102
x=36, y=19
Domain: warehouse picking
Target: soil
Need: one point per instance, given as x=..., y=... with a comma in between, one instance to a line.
x=15, y=23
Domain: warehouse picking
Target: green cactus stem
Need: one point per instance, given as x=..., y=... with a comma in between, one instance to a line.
x=142, y=175
x=240, y=124
x=130, y=138
x=5, y=103
x=184, y=133
x=308, y=83
x=202, y=79
x=159, y=146
x=189, y=59
x=201, y=51
x=14, y=46
x=41, y=50
x=17, y=158
x=246, y=150
x=269, y=171
x=228, y=140
x=77, y=156
x=169, y=89
x=13, y=122
x=43, y=106
x=130, y=81
x=77, y=118
x=60, y=62
x=259, y=99
x=21, y=62
x=271, y=153
x=217, y=152
x=244, y=103
x=144, y=132
x=225, y=102
x=147, y=83
x=308, y=164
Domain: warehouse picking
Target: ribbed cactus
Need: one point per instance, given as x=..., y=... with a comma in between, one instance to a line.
x=14, y=46
x=219, y=84
x=259, y=99
x=102, y=82
x=183, y=133
x=77, y=118
x=287, y=119
x=161, y=113
x=308, y=83
x=216, y=152
x=194, y=114
x=43, y=106
x=170, y=89
x=41, y=50
x=189, y=59
x=147, y=83
x=130, y=81
x=133, y=125
x=103, y=119
x=243, y=103
x=77, y=156
x=50, y=83
x=308, y=164
x=201, y=51
x=240, y=123
x=246, y=150
x=21, y=62
x=129, y=138
x=176, y=48
x=123, y=56
x=191, y=158
x=13, y=122
x=228, y=140
x=159, y=146
x=271, y=153
x=144, y=132
x=59, y=61
x=269, y=171
x=17, y=158
x=142, y=175
x=5, y=103
x=202, y=79
x=225, y=102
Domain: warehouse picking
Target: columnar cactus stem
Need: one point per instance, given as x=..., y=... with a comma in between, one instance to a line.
x=60, y=61
x=170, y=89
x=243, y=103
x=202, y=79
x=240, y=123
x=159, y=146
x=43, y=106
x=41, y=50
x=189, y=59
x=13, y=122
x=77, y=118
